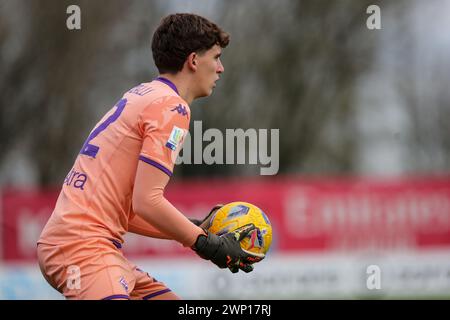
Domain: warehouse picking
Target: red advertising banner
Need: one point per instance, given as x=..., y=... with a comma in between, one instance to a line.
x=308, y=215
x=23, y=214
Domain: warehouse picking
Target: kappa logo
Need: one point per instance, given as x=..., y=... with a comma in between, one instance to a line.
x=180, y=109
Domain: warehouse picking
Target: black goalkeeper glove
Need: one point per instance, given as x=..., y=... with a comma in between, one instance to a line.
x=205, y=222
x=225, y=251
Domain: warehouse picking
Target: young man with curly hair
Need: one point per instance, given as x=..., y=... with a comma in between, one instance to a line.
x=117, y=182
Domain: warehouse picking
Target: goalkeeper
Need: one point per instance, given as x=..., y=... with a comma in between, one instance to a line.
x=118, y=179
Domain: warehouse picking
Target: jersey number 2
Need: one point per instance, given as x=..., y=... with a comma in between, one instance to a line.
x=92, y=150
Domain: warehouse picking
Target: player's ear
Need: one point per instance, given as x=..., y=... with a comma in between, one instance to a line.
x=192, y=61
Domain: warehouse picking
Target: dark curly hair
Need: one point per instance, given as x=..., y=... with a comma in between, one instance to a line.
x=178, y=35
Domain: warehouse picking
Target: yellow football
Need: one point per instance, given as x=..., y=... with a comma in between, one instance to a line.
x=237, y=214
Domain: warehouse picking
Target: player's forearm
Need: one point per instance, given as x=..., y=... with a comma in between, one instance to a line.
x=166, y=218
x=139, y=226
x=149, y=203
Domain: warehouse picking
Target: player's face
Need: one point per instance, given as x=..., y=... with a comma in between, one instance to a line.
x=208, y=71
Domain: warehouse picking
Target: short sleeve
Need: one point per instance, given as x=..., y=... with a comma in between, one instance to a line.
x=164, y=125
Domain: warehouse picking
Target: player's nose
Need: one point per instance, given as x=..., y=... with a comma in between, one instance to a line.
x=220, y=67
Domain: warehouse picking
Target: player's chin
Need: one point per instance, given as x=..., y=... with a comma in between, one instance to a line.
x=212, y=89
x=208, y=92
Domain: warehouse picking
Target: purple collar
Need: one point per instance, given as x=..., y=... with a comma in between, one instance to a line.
x=169, y=83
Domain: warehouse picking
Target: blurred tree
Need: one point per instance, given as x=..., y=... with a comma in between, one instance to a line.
x=421, y=77
x=46, y=90
x=292, y=65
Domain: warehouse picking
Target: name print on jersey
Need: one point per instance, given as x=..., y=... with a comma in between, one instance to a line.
x=76, y=179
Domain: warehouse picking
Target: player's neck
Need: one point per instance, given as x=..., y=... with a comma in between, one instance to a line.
x=182, y=86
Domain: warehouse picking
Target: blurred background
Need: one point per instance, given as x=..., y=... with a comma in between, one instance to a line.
x=364, y=140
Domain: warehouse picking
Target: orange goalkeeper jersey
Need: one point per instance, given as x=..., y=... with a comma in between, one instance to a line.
x=148, y=124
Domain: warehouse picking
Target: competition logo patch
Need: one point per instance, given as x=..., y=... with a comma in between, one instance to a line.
x=175, y=138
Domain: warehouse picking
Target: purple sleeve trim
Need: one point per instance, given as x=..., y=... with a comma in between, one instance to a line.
x=169, y=83
x=117, y=296
x=154, y=294
x=156, y=164
x=116, y=243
